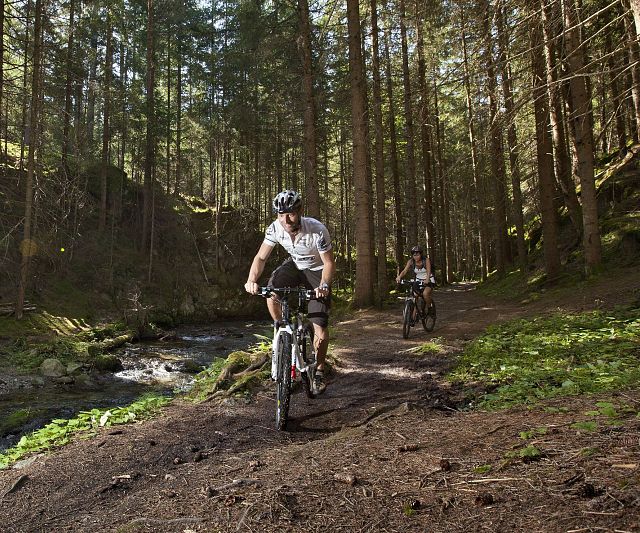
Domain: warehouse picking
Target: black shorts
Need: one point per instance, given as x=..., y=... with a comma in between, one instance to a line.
x=418, y=286
x=288, y=275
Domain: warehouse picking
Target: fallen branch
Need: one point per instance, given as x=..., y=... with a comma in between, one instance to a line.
x=235, y=484
x=489, y=480
x=109, y=344
x=159, y=521
x=236, y=387
x=256, y=365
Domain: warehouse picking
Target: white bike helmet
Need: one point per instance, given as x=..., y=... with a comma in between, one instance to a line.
x=286, y=202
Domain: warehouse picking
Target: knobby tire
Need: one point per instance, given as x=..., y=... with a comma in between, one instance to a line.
x=283, y=381
x=406, y=316
x=429, y=321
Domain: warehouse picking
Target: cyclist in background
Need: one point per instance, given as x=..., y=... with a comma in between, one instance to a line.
x=423, y=276
x=310, y=264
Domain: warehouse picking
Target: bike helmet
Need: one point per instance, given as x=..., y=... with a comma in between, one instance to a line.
x=286, y=202
x=416, y=249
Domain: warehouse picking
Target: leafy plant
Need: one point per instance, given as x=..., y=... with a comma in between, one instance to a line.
x=585, y=426
x=60, y=431
x=526, y=435
x=529, y=452
x=525, y=361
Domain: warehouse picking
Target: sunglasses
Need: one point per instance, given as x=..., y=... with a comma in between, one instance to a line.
x=417, y=253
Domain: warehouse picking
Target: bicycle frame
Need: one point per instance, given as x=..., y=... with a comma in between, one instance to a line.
x=410, y=295
x=294, y=326
x=295, y=329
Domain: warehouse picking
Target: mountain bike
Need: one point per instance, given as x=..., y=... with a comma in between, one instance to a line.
x=411, y=302
x=293, y=353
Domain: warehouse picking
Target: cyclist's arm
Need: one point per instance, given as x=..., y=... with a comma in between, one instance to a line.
x=427, y=265
x=403, y=273
x=328, y=271
x=257, y=267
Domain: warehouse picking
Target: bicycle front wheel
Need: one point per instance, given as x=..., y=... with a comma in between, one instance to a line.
x=309, y=357
x=283, y=380
x=406, y=318
x=429, y=321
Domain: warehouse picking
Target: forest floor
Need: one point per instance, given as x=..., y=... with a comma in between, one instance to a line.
x=386, y=448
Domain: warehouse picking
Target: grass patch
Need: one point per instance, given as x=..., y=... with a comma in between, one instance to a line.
x=525, y=361
x=61, y=431
x=432, y=347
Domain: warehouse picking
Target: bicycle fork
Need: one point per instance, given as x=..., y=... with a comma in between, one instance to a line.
x=296, y=360
x=276, y=350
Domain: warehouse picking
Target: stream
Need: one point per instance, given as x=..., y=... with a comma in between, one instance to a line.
x=162, y=367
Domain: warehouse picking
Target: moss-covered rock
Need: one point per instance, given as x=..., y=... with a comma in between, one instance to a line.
x=107, y=363
x=52, y=368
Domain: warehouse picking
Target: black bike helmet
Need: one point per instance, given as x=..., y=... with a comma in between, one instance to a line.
x=416, y=249
x=286, y=202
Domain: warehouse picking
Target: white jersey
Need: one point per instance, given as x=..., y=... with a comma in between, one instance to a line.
x=311, y=240
x=420, y=272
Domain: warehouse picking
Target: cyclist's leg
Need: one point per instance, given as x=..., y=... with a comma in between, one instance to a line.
x=416, y=299
x=426, y=295
x=286, y=275
x=318, y=315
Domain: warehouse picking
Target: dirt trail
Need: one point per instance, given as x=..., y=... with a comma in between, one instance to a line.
x=384, y=449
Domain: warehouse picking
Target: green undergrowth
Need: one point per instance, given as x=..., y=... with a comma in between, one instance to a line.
x=525, y=361
x=219, y=375
x=432, y=347
x=41, y=336
x=60, y=431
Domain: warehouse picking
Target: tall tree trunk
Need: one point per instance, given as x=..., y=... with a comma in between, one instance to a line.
x=149, y=162
x=3, y=123
x=27, y=246
x=477, y=185
x=581, y=120
x=546, y=185
x=496, y=155
x=614, y=88
x=25, y=82
x=106, y=134
x=393, y=159
x=635, y=9
x=427, y=150
x=169, y=136
x=93, y=83
x=381, y=234
x=512, y=136
x=312, y=197
x=634, y=66
x=442, y=223
x=178, y=183
x=562, y=164
x=410, y=189
x=363, y=293
x=68, y=89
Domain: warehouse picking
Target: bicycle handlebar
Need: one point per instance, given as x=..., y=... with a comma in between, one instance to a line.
x=409, y=283
x=306, y=294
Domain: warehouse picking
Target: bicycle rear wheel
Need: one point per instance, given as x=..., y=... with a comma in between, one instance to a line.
x=429, y=321
x=406, y=318
x=283, y=380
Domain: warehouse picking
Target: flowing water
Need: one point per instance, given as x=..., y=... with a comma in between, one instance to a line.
x=163, y=367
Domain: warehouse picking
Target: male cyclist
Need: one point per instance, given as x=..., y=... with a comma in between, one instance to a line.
x=423, y=279
x=310, y=264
